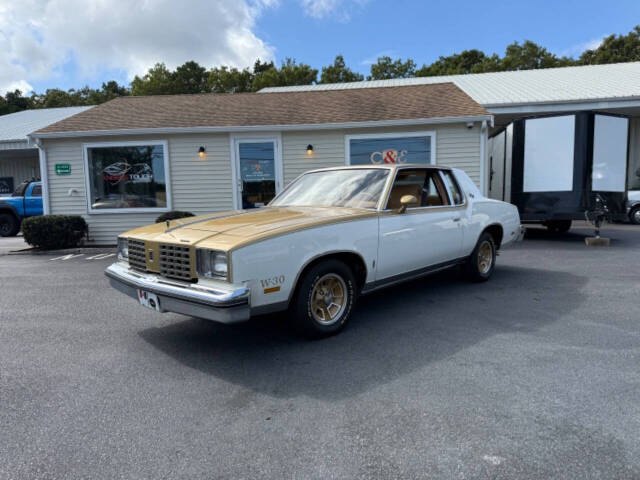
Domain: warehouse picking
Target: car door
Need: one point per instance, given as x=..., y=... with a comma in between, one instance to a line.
x=427, y=234
x=33, y=200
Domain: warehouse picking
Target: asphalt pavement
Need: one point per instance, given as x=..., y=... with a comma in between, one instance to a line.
x=534, y=374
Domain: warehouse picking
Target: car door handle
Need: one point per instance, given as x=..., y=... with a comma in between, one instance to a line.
x=456, y=219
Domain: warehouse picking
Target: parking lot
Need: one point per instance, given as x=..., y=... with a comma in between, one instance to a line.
x=531, y=375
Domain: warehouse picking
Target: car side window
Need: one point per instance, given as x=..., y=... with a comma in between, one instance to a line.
x=425, y=185
x=36, y=191
x=454, y=189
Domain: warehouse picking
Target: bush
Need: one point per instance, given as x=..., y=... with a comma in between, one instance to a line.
x=50, y=232
x=175, y=214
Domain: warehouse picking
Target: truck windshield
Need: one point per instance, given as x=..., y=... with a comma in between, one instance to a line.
x=355, y=188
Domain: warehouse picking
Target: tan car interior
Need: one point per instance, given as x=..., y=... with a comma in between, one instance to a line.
x=425, y=186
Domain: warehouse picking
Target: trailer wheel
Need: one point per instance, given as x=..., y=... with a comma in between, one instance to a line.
x=634, y=216
x=558, y=226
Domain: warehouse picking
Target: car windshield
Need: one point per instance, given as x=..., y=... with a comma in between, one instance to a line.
x=356, y=188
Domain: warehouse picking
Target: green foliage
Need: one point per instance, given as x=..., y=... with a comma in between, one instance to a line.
x=192, y=77
x=157, y=81
x=339, y=72
x=50, y=232
x=290, y=73
x=467, y=61
x=173, y=215
x=386, y=68
x=615, y=49
x=229, y=80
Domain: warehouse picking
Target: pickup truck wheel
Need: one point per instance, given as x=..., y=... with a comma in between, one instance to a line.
x=9, y=225
x=324, y=299
x=482, y=261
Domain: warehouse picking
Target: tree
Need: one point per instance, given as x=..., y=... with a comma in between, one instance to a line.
x=467, y=61
x=157, y=81
x=190, y=77
x=290, y=73
x=13, y=102
x=615, y=49
x=530, y=56
x=386, y=68
x=229, y=80
x=339, y=73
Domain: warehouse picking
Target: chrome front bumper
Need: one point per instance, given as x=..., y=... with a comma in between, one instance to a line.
x=220, y=305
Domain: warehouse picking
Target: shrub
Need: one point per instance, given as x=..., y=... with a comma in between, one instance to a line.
x=175, y=214
x=54, y=231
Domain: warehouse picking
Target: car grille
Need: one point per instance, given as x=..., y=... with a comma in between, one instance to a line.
x=137, y=257
x=175, y=262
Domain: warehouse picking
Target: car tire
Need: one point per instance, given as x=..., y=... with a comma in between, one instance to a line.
x=482, y=261
x=324, y=299
x=558, y=226
x=634, y=216
x=9, y=225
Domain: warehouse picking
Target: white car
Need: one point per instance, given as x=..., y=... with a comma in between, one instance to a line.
x=330, y=236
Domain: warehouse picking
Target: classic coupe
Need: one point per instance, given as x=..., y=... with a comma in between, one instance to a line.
x=328, y=237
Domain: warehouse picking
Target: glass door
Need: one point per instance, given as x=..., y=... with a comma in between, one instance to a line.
x=258, y=172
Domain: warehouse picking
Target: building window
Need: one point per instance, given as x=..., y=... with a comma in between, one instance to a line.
x=127, y=177
x=380, y=149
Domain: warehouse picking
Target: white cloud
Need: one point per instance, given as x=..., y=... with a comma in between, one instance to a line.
x=38, y=37
x=340, y=10
x=577, y=49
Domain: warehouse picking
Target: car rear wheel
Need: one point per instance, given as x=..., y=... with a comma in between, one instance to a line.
x=482, y=261
x=9, y=225
x=634, y=216
x=324, y=299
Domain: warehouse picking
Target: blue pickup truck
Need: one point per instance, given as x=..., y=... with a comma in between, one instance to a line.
x=25, y=201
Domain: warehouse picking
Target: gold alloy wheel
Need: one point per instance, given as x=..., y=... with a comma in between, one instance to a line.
x=328, y=299
x=485, y=257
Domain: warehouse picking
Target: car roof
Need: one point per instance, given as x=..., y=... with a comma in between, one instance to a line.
x=381, y=167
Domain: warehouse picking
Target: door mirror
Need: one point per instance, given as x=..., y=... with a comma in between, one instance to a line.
x=406, y=201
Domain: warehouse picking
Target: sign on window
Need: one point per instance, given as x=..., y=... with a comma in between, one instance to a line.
x=380, y=151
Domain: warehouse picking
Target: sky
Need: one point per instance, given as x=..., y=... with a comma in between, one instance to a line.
x=72, y=43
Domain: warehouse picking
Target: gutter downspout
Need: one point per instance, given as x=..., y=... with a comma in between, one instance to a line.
x=44, y=177
x=484, y=134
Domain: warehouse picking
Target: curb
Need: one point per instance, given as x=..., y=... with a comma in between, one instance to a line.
x=64, y=251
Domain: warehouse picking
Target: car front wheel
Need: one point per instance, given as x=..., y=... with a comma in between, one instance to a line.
x=482, y=261
x=324, y=299
x=9, y=225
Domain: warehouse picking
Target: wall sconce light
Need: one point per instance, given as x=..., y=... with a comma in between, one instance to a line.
x=309, y=150
x=202, y=152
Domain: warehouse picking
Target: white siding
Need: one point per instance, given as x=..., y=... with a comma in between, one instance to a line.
x=19, y=165
x=198, y=185
x=204, y=185
x=456, y=146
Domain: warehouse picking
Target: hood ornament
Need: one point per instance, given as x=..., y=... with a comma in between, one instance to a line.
x=168, y=224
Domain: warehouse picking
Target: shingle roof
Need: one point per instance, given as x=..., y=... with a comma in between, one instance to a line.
x=15, y=127
x=523, y=87
x=443, y=100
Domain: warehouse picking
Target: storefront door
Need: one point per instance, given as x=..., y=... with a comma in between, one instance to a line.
x=257, y=171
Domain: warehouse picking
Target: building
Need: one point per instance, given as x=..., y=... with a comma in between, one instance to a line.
x=19, y=157
x=612, y=89
x=122, y=163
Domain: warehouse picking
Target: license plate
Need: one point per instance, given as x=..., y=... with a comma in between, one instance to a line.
x=149, y=300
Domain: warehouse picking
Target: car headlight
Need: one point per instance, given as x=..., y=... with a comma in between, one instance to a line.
x=123, y=249
x=211, y=263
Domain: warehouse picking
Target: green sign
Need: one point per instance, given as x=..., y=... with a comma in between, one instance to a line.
x=63, y=169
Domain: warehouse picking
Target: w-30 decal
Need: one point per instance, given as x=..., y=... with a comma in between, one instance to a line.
x=272, y=284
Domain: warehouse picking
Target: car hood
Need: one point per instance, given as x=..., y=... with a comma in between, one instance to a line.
x=229, y=230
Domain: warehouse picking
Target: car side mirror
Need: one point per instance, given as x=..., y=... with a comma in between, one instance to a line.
x=406, y=201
